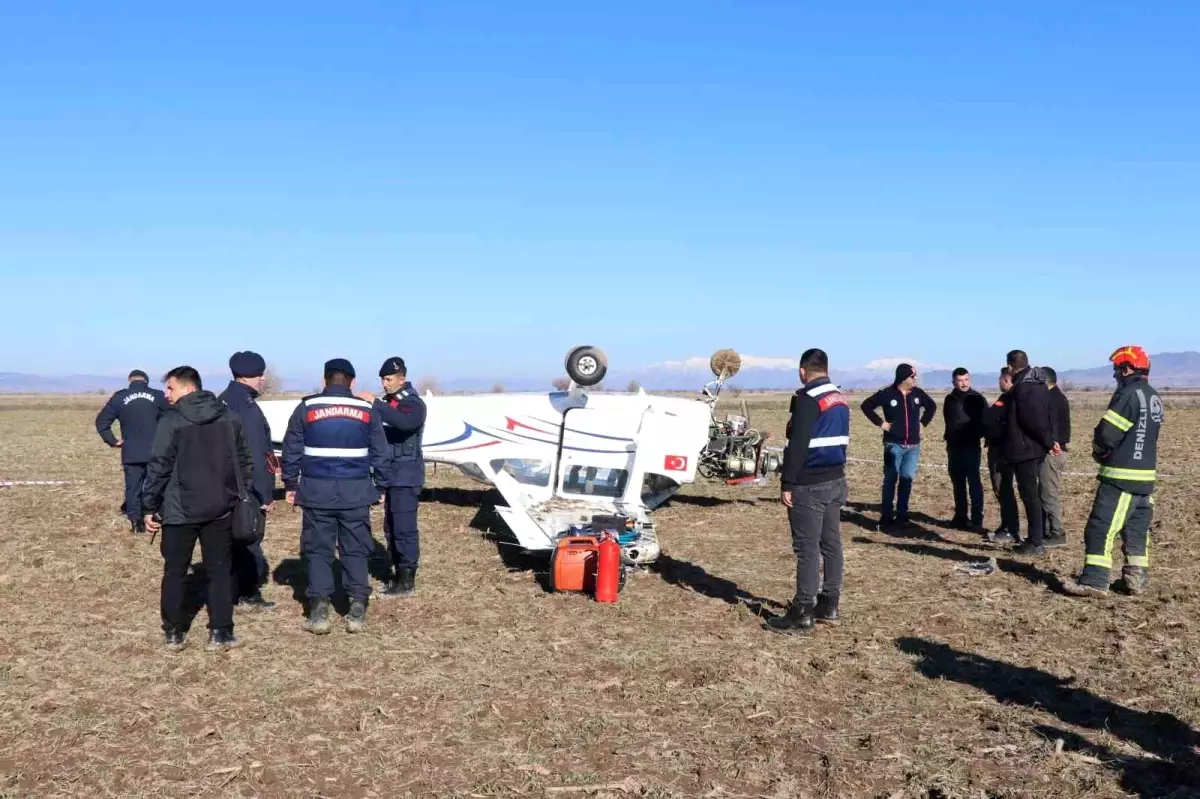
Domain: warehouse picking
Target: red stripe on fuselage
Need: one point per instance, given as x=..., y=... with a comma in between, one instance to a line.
x=473, y=446
x=513, y=424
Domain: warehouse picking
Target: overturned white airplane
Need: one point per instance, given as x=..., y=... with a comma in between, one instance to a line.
x=563, y=457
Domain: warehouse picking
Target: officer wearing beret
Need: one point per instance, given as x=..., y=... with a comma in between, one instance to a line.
x=137, y=408
x=403, y=413
x=250, y=568
x=334, y=441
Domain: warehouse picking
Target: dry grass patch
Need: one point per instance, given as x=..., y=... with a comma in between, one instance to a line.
x=936, y=685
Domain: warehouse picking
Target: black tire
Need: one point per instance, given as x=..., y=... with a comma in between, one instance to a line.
x=586, y=366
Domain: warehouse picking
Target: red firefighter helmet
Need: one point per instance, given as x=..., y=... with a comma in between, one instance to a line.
x=1134, y=357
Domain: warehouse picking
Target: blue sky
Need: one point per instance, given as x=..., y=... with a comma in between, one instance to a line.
x=943, y=181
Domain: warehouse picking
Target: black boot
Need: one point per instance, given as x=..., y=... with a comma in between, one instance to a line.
x=1137, y=579
x=318, y=617
x=174, y=638
x=827, y=609
x=357, y=615
x=404, y=584
x=799, y=617
x=1002, y=536
x=254, y=603
x=1092, y=581
x=222, y=638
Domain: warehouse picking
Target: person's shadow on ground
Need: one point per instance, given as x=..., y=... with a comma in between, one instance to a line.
x=688, y=575
x=293, y=572
x=1158, y=733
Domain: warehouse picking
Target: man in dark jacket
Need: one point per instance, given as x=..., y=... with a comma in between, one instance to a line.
x=1001, y=473
x=813, y=491
x=1028, y=439
x=137, y=408
x=1053, y=467
x=403, y=414
x=336, y=461
x=190, y=492
x=250, y=568
x=906, y=409
x=962, y=411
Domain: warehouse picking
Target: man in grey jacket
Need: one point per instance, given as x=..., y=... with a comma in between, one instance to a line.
x=189, y=494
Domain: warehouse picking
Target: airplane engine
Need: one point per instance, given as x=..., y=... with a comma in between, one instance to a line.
x=735, y=452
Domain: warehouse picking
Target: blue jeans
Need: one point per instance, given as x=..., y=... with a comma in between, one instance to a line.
x=899, y=465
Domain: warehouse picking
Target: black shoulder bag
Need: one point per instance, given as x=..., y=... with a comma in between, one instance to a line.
x=247, y=515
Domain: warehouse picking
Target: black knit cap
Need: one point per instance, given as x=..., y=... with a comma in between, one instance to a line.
x=903, y=372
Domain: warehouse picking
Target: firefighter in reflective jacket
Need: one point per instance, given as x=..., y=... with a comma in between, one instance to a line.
x=814, y=490
x=403, y=414
x=1125, y=444
x=333, y=444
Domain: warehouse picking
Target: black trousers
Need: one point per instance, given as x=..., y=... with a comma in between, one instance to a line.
x=963, y=465
x=815, y=518
x=1028, y=474
x=400, y=526
x=177, y=545
x=1116, y=512
x=250, y=569
x=135, y=473
x=1006, y=496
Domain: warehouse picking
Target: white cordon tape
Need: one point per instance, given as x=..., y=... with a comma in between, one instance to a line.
x=13, y=483
x=1068, y=474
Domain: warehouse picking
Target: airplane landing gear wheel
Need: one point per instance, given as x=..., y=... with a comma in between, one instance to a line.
x=586, y=365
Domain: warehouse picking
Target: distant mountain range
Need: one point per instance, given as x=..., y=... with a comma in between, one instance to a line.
x=1171, y=369
x=19, y=383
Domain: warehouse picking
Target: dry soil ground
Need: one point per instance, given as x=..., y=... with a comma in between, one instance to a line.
x=936, y=685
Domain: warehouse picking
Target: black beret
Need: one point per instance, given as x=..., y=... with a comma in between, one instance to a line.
x=393, y=366
x=247, y=364
x=339, y=365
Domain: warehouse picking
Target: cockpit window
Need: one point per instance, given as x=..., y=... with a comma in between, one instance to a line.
x=524, y=471
x=599, y=481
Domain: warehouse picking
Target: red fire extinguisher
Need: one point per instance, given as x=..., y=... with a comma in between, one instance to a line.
x=608, y=569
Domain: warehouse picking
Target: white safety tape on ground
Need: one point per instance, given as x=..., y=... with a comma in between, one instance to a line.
x=13, y=483
x=1065, y=474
